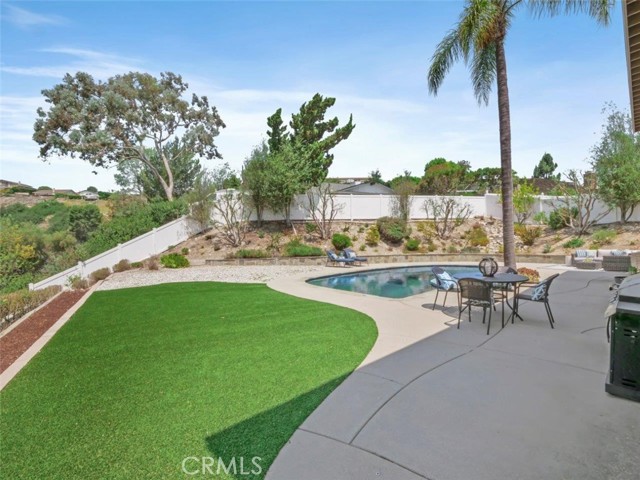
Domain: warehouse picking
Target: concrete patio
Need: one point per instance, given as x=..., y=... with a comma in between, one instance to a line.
x=431, y=401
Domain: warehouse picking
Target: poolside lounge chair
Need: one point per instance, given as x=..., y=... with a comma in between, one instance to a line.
x=537, y=293
x=475, y=293
x=336, y=260
x=442, y=281
x=348, y=253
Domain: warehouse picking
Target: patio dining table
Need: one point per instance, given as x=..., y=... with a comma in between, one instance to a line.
x=500, y=281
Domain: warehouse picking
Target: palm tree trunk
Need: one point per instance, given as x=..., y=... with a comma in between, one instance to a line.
x=504, y=118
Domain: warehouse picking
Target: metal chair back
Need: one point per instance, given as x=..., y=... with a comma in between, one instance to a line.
x=475, y=289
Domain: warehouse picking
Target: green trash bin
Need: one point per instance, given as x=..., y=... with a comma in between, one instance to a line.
x=624, y=317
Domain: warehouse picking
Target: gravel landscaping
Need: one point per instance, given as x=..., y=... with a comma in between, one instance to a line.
x=244, y=274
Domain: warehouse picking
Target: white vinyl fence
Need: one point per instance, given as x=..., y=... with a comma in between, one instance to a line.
x=352, y=208
x=140, y=248
x=372, y=207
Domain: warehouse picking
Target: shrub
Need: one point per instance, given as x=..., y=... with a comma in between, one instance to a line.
x=477, y=236
x=274, y=242
x=529, y=235
x=122, y=266
x=547, y=248
x=363, y=248
x=534, y=275
x=152, y=263
x=373, y=236
x=130, y=221
x=452, y=249
x=84, y=220
x=136, y=264
x=260, y=234
x=174, y=260
x=249, y=253
x=76, y=282
x=393, y=230
x=16, y=304
x=20, y=213
x=99, y=274
x=574, y=243
x=412, y=244
x=541, y=218
x=295, y=248
x=427, y=229
x=310, y=228
x=340, y=241
x=559, y=218
x=470, y=250
x=184, y=251
x=603, y=237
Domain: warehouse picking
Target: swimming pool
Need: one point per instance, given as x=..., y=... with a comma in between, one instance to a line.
x=397, y=282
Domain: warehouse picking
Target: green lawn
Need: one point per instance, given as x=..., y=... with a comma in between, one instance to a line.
x=141, y=378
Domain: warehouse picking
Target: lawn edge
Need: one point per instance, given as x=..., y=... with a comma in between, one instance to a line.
x=32, y=351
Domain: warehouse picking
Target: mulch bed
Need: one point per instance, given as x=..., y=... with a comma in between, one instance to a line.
x=18, y=340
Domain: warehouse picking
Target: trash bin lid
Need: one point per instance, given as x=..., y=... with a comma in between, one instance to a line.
x=629, y=290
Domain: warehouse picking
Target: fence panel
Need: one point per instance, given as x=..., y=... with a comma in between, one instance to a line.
x=135, y=250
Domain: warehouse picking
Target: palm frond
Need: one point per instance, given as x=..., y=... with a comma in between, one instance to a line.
x=447, y=53
x=598, y=9
x=483, y=72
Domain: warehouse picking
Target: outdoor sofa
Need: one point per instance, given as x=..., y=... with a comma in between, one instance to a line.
x=609, y=260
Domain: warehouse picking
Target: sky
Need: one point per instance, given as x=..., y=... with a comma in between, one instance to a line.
x=251, y=58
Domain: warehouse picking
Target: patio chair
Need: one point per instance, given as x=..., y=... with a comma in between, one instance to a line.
x=537, y=293
x=348, y=253
x=442, y=281
x=475, y=293
x=499, y=289
x=336, y=260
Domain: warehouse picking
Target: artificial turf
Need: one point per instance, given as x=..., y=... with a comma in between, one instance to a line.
x=141, y=378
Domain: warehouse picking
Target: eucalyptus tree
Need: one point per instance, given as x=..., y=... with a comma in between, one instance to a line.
x=479, y=40
x=105, y=123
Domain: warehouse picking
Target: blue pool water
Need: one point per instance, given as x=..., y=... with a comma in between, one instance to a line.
x=396, y=282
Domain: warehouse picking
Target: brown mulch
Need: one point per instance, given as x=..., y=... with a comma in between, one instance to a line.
x=18, y=340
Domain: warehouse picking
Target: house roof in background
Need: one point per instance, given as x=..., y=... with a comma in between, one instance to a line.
x=367, y=189
x=9, y=183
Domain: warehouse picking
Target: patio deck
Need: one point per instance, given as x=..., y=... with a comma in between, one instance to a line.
x=434, y=402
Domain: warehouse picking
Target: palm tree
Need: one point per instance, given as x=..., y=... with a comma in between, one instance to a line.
x=479, y=39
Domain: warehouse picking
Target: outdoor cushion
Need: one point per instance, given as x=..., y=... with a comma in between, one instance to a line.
x=581, y=253
x=538, y=292
x=447, y=281
x=444, y=284
x=350, y=254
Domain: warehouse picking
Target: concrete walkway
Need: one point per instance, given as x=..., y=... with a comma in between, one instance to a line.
x=434, y=402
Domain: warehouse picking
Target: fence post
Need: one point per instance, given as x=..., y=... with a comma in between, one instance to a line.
x=31, y=287
x=81, y=269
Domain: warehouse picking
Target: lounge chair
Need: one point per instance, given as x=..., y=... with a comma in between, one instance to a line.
x=336, y=260
x=348, y=253
x=442, y=281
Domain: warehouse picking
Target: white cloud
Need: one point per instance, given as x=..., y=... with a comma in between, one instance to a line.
x=26, y=19
x=99, y=64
